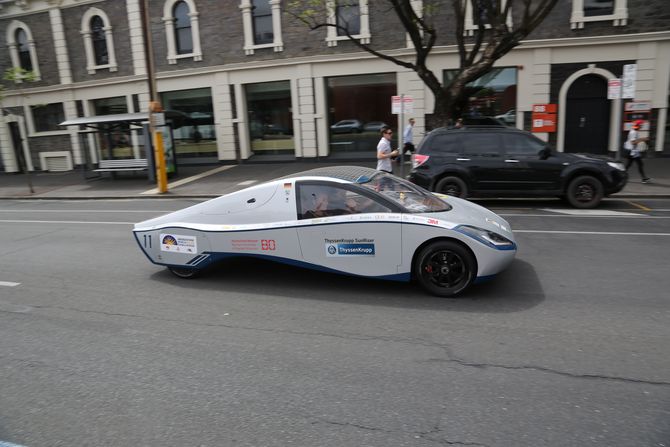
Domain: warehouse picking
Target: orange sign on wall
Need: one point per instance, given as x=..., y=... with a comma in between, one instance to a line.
x=544, y=118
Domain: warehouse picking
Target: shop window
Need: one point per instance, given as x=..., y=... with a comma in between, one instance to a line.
x=262, y=25
x=96, y=30
x=270, y=118
x=47, y=117
x=182, y=30
x=22, y=50
x=194, y=131
x=598, y=11
x=352, y=16
x=359, y=106
x=492, y=95
x=110, y=106
x=472, y=21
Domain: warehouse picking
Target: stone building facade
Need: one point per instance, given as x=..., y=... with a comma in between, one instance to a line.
x=246, y=81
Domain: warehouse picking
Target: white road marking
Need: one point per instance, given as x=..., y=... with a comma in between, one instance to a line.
x=9, y=284
x=67, y=222
x=247, y=182
x=594, y=233
x=86, y=211
x=191, y=179
x=8, y=444
x=588, y=212
x=626, y=216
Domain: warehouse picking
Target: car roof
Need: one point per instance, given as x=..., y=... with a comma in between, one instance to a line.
x=479, y=128
x=353, y=174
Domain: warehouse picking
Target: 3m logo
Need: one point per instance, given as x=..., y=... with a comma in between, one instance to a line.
x=433, y=221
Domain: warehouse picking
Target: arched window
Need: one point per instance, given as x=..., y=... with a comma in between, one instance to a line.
x=99, y=41
x=348, y=18
x=182, y=28
x=23, y=49
x=96, y=30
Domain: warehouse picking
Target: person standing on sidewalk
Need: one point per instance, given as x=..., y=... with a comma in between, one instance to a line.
x=384, y=151
x=633, y=149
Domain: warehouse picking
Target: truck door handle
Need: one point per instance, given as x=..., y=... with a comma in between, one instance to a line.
x=511, y=161
x=462, y=159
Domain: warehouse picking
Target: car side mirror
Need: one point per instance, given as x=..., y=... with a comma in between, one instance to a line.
x=545, y=153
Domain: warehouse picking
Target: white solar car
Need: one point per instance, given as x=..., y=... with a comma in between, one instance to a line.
x=344, y=219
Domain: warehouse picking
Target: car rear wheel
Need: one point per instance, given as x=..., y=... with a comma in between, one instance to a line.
x=445, y=268
x=585, y=191
x=452, y=186
x=184, y=273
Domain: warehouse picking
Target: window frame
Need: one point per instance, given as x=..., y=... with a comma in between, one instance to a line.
x=92, y=65
x=470, y=25
x=170, y=31
x=12, y=29
x=30, y=121
x=332, y=37
x=250, y=46
x=618, y=18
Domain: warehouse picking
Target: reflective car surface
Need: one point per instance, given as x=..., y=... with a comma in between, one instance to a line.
x=345, y=219
x=347, y=126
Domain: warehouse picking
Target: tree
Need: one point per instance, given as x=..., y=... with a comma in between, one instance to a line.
x=492, y=40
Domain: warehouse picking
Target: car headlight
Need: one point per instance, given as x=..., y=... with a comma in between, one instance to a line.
x=490, y=238
x=617, y=165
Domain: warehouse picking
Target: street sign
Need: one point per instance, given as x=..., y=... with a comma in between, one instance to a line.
x=614, y=89
x=543, y=118
x=406, y=103
x=629, y=76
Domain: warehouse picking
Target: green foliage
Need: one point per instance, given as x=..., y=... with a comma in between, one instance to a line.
x=18, y=74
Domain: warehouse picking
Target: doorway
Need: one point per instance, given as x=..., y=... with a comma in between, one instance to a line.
x=587, y=118
x=15, y=133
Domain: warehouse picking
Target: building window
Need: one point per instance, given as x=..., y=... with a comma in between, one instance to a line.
x=491, y=96
x=110, y=106
x=182, y=30
x=348, y=19
x=262, y=25
x=359, y=106
x=270, y=118
x=22, y=51
x=351, y=16
x=472, y=20
x=598, y=11
x=194, y=131
x=98, y=41
x=47, y=117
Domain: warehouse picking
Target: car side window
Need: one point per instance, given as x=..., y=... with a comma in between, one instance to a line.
x=319, y=200
x=443, y=143
x=516, y=144
x=483, y=144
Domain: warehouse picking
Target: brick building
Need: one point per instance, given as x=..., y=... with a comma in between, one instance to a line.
x=245, y=81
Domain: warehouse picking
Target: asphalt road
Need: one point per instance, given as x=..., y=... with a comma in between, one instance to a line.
x=98, y=347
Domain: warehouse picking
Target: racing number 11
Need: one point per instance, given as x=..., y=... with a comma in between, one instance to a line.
x=147, y=241
x=268, y=245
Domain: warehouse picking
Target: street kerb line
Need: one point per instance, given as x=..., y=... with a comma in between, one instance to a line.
x=9, y=284
x=190, y=179
x=84, y=222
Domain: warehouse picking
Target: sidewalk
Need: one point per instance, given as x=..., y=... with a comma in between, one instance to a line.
x=215, y=180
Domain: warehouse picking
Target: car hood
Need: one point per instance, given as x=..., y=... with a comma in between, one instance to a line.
x=464, y=212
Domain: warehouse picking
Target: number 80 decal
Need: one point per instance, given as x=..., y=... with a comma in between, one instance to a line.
x=268, y=245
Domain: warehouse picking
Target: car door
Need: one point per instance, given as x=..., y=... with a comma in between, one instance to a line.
x=483, y=154
x=526, y=169
x=347, y=230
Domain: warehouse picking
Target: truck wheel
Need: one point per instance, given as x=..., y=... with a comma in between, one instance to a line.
x=584, y=191
x=452, y=186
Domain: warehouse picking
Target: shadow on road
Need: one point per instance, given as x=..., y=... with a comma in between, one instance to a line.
x=514, y=290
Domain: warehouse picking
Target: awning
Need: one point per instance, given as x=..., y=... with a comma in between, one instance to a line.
x=178, y=120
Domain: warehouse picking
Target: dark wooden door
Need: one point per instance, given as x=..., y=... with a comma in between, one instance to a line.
x=587, y=120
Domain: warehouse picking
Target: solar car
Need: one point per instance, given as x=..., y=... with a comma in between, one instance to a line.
x=342, y=219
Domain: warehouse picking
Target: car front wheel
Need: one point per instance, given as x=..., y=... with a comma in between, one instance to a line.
x=585, y=192
x=183, y=273
x=452, y=186
x=445, y=268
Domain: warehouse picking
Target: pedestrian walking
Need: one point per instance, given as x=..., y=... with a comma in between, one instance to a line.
x=408, y=138
x=632, y=148
x=384, y=151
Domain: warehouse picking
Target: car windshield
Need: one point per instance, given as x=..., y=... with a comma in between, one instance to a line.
x=408, y=195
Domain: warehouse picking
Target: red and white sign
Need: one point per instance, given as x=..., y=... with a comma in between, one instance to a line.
x=638, y=106
x=406, y=103
x=614, y=89
x=544, y=118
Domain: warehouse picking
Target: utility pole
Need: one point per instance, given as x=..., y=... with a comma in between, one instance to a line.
x=155, y=107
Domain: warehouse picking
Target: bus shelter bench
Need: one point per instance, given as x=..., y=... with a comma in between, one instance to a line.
x=127, y=164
